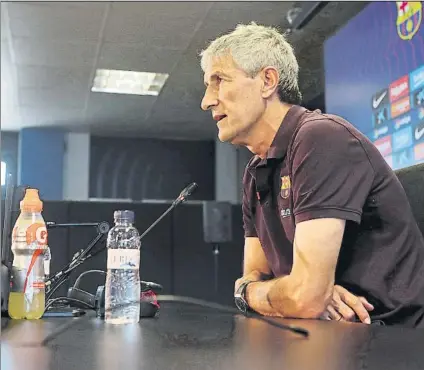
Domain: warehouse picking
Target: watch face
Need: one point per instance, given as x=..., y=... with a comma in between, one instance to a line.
x=241, y=304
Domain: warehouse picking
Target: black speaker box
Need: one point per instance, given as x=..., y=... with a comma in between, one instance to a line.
x=217, y=224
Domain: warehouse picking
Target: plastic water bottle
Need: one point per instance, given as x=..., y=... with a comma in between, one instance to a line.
x=122, y=290
x=29, y=244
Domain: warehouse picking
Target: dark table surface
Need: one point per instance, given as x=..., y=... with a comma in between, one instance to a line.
x=186, y=337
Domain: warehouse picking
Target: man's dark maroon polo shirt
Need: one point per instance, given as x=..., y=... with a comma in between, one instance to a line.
x=320, y=166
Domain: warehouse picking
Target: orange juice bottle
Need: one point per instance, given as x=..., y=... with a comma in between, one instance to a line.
x=29, y=243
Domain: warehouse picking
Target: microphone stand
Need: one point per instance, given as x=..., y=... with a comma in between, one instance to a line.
x=181, y=198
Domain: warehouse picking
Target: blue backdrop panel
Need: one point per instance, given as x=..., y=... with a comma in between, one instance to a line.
x=41, y=154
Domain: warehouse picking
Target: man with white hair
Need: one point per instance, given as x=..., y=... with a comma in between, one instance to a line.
x=328, y=229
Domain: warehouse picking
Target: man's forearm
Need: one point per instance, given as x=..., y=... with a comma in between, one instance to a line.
x=273, y=297
x=257, y=297
x=279, y=297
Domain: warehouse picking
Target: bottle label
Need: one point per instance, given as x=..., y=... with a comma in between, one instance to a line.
x=32, y=237
x=123, y=259
x=36, y=233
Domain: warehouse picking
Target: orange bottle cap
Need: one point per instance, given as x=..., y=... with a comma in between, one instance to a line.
x=31, y=201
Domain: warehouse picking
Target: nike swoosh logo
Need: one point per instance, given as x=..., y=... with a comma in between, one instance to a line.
x=419, y=133
x=376, y=102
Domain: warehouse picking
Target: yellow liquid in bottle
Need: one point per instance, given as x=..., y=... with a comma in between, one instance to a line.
x=22, y=307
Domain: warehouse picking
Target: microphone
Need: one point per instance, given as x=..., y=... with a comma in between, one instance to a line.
x=187, y=191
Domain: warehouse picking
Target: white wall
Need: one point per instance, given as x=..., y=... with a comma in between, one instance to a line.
x=230, y=162
x=76, y=166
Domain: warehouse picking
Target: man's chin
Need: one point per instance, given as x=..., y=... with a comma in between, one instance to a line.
x=231, y=136
x=226, y=136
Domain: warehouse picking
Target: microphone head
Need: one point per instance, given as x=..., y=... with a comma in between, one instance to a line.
x=187, y=191
x=190, y=189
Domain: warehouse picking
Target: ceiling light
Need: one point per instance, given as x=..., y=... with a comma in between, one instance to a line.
x=128, y=82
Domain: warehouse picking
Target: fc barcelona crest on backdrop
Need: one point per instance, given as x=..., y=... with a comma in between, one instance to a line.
x=409, y=16
x=285, y=187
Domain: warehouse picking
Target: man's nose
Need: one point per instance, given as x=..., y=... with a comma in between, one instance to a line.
x=208, y=101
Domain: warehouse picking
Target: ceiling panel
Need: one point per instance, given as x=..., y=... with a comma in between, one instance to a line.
x=188, y=71
x=104, y=106
x=268, y=12
x=183, y=92
x=178, y=109
x=136, y=57
x=57, y=21
x=53, y=77
x=53, y=53
x=60, y=97
x=170, y=25
x=224, y=16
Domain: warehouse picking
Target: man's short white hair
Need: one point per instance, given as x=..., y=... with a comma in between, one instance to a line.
x=254, y=47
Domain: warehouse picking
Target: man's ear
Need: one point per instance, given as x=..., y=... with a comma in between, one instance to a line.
x=270, y=77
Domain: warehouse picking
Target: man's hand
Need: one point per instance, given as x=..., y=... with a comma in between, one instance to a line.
x=345, y=306
x=255, y=275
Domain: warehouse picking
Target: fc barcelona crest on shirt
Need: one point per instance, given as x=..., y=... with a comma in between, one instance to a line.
x=285, y=187
x=409, y=17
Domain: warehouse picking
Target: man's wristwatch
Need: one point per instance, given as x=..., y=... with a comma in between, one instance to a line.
x=240, y=297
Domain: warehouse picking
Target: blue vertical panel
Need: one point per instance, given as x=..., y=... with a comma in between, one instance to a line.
x=41, y=153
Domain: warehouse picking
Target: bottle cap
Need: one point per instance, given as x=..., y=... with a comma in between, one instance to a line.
x=31, y=201
x=124, y=216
